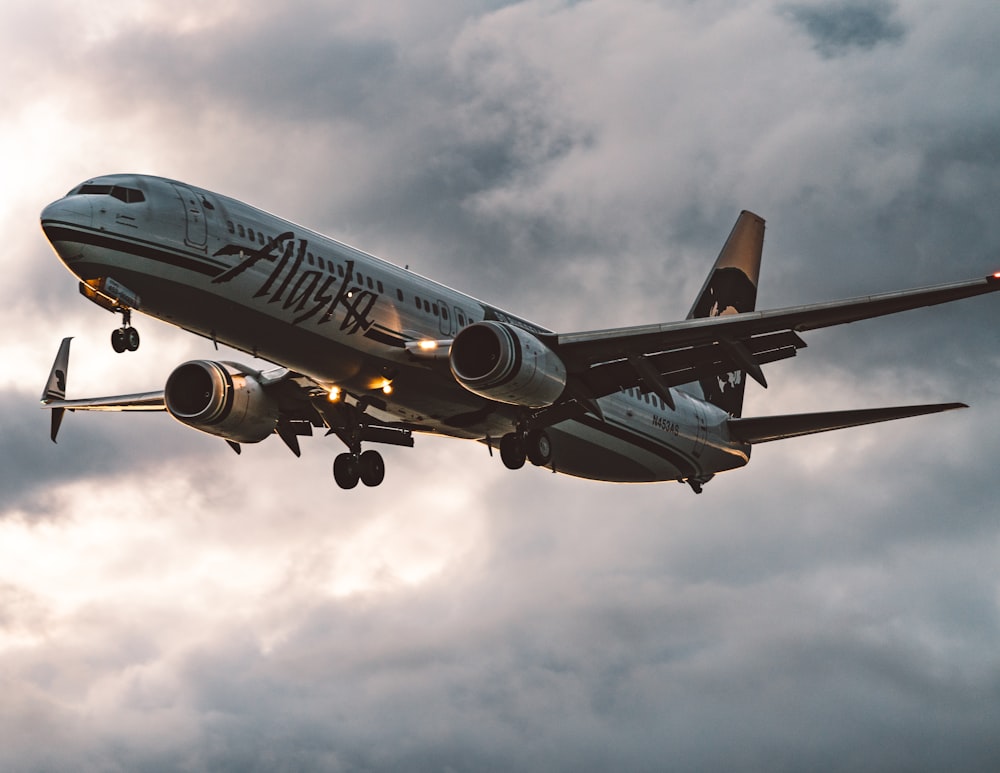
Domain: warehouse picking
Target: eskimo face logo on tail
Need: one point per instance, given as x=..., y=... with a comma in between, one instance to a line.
x=729, y=291
x=307, y=292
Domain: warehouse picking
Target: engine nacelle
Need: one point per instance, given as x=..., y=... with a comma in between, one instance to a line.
x=222, y=399
x=505, y=363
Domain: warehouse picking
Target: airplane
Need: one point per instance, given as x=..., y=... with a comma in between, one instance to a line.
x=374, y=353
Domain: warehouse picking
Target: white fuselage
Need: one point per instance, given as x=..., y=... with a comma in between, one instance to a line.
x=240, y=276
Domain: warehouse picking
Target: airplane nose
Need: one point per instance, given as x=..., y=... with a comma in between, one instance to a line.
x=63, y=221
x=68, y=211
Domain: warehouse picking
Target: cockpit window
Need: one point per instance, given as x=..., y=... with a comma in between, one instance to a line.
x=120, y=192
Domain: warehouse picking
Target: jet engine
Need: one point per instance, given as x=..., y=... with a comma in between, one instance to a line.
x=505, y=363
x=222, y=399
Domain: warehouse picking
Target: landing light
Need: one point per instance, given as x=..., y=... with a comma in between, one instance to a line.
x=428, y=346
x=997, y=275
x=387, y=387
x=334, y=395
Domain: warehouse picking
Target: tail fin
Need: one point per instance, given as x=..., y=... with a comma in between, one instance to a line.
x=731, y=288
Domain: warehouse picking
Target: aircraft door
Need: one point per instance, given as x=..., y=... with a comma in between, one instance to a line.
x=444, y=318
x=196, y=229
x=701, y=436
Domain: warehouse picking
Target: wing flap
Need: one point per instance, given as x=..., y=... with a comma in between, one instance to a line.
x=764, y=429
x=689, y=364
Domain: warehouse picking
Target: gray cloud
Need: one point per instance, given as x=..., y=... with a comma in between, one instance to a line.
x=832, y=607
x=88, y=448
x=839, y=27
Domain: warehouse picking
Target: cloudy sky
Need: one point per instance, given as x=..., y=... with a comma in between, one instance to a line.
x=165, y=605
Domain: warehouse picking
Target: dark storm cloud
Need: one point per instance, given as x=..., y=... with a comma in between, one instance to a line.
x=88, y=448
x=582, y=662
x=831, y=607
x=295, y=67
x=287, y=67
x=836, y=28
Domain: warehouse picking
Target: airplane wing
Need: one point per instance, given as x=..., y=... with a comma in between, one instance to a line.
x=681, y=352
x=764, y=429
x=302, y=405
x=140, y=401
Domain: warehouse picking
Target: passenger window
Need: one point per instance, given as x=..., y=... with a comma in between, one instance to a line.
x=340, y=270
x=380, y=288
x=427, y=306
x=260, y=238
x=434, y=308
x=370, y=285
x=309, y=258
x=399, y=294
x=242, y=231
x=416, y=300
x=359, y=279
x=444, y=313
x=251, y=234
x=230, y=226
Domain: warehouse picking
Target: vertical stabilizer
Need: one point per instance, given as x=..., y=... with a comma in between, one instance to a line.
x=731, y=288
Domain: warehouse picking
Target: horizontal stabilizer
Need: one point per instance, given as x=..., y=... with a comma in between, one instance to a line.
x=767, y=428
x=140, y=401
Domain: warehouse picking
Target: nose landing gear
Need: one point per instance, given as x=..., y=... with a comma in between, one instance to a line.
x=125, y=338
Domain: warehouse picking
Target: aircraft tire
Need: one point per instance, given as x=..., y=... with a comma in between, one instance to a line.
x=538, y=447
x=372, y=468
x=118, y=340
x=512, y=451
x=131, y=336
x=346, y=471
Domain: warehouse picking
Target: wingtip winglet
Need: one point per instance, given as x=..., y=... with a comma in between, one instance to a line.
x=57, y=417
x=55, y=387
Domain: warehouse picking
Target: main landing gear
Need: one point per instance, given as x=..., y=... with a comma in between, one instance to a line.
x=125, y=338
x=533, y=446
x=351, y=425
x=366, y=467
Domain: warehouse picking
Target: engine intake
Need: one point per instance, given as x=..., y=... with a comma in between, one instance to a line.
x=222, y=399
x=503, y=362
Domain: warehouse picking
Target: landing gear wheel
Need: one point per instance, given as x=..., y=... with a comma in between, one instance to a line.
x=118, y=340
x=371, y=468
x=512, y=451
x=346, y=471
x=538, y=447
x=125, y=339
x=131, y=339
